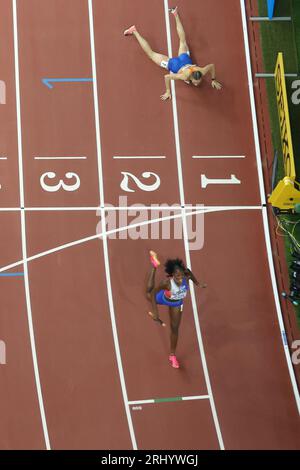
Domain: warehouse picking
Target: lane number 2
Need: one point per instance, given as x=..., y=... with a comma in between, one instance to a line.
x=144, y=187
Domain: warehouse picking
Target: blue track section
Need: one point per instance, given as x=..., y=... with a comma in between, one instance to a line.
x=48, y=81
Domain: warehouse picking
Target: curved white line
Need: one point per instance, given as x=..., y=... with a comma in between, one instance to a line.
x=121, y=229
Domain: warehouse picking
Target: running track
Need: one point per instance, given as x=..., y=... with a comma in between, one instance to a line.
x=81, y=352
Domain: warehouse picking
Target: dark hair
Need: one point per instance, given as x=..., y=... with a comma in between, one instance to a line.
x=197, y=75
x=172, y=264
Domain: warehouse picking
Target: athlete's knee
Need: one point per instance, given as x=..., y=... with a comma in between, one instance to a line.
x=152, y=55
x=184, y=46
x=174, y=328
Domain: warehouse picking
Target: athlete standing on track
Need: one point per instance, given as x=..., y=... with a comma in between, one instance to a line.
x=181, y=67
x=170, y=292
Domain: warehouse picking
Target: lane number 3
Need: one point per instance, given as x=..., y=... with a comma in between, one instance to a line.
x=61, y=184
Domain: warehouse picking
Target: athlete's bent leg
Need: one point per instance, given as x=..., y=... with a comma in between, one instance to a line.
x=157, y=58
x=175, y=319
x=183, y=47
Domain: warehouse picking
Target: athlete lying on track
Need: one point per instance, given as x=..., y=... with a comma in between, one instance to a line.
x=181, y=67
x=170, y=292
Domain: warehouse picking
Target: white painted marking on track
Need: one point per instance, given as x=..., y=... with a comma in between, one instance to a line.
x=141, y=402
x=3, y=158
x=211, y=157
x=264, y=211
x=10, y=209
x=207, y=181
x=139, y=157
x=23, y=228
x=112, y=232
x=59, y=209
x=60, y=158
x=203, y=397
x=152, y=401
x=186, y=245
x=124, y=185
x=252, y=104
x=124, y=208
x=105, y=245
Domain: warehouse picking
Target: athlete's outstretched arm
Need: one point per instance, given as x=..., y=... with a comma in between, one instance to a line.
x=210, y=68
x=168, y=78
x=191, y=277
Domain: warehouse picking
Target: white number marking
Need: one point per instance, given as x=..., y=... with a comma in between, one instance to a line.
x=61, y=184
x=152, y=187
x=206, y=181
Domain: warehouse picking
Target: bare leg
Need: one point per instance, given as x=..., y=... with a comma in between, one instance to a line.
x=151, y=279
x=175, y=319
x=183, y=47
x=150, y=284
x=156, y=57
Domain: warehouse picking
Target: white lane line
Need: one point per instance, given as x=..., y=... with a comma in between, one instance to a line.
x=23, y=229
x=203, y=397
x=10, y=209
x=175, y=114
x=141, y=402
x=252, y=104
x=60, y=158
x=264, y=213
x=278, y=308
x=186, y=243
x=96, y=103
x=105, y=244
x=142, y=157
x=3, y=158
x=217, y=156
x=174, y=207
x=59, y=209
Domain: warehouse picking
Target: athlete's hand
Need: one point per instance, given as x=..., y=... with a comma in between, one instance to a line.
x=156, y=318
x=166, y=96
x=216, y=84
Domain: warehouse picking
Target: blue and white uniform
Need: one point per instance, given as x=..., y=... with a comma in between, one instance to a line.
x=175, y=296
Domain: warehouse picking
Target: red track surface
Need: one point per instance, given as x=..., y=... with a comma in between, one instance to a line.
x=73, y=304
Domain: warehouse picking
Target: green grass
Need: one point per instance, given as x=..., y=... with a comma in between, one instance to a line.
x=283, y=37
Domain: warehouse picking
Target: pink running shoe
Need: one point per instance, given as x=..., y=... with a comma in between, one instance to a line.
x=130, y=31
x=173, y=361
x=154, y=260
x=173, y=10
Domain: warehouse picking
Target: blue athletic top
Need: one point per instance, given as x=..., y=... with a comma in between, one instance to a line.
x=175, y=64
